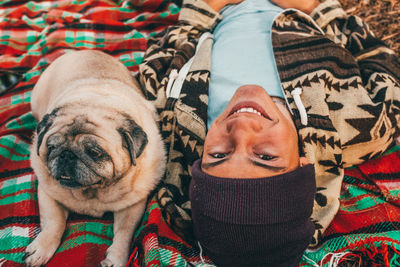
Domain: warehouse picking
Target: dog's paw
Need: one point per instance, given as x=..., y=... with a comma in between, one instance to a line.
x=110, y=263
x=40, y=251
x=106, y=263
x=114, y=258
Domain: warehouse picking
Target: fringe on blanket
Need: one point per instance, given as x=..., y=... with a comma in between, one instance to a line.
x=372, y=257
x=383, y=255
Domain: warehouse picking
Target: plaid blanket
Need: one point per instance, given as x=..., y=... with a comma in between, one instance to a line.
x=32, y=34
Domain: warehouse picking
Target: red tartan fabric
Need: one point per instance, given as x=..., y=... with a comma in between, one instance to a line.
x=157, y=245
x=381, y=179
x=368, y=220
x=386, y=176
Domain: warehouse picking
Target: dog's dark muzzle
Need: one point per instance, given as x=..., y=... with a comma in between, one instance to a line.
x=66, y=171
x=68, y=182
x=71, y=172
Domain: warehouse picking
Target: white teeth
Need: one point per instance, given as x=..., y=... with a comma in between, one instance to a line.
x=65, y=177
x=250, y=110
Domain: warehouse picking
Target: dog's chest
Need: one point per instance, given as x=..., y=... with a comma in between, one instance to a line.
x=95, y=202
x=89, y=193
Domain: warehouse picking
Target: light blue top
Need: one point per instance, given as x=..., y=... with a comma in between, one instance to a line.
x=242, y=53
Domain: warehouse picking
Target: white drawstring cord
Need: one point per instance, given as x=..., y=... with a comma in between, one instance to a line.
x=203, y=263
x=176, y=79
x=201, y=253
x=171, y=78
x=297, y=100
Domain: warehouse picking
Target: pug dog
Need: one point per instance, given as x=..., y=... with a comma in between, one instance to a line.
x=97, y=148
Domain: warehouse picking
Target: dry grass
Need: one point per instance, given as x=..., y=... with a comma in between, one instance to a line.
x=383, y=16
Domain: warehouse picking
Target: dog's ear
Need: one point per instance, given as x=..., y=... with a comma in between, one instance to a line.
x=134, y=139
x=44, y=125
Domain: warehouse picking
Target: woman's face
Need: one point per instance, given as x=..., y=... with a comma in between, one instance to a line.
x=254, y=137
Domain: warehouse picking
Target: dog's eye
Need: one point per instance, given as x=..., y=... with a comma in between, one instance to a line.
x=54, y=141
x=94, y=153
x=50, y=147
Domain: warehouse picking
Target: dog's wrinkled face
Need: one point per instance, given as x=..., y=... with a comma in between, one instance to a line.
x=76, y=159
x=88, y=150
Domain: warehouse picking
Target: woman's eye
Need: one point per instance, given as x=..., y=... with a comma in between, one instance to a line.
x=218, y=155
x=266, y=157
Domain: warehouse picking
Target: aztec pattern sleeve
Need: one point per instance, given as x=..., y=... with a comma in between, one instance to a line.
x=351, y=97
x=182, y=120
x=173, y=47
x=379, y=69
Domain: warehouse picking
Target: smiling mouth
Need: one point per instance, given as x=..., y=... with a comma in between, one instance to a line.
x=249, y=107
x=248, y=110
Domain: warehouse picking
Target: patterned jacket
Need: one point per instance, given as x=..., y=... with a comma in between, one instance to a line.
x=350, y=91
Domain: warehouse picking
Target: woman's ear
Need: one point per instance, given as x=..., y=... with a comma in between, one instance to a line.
x=303, y=161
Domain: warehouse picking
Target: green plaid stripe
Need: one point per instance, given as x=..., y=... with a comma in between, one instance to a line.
x=11, y=148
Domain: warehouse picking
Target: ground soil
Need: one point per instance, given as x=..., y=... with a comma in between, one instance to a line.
x=383, y=17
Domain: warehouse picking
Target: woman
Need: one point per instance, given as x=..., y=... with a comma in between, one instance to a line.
x=331, y=80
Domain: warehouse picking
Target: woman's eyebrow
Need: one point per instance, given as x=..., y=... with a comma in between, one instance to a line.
x=208, y=165
x=212, y=164
x=268, y=167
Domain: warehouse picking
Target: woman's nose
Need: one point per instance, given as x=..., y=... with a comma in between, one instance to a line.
x=242, y=125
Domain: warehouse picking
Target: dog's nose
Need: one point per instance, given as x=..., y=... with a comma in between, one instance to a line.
x=67, y=155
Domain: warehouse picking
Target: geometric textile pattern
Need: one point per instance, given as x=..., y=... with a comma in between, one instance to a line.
x=350, y=92
x=182, y=121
